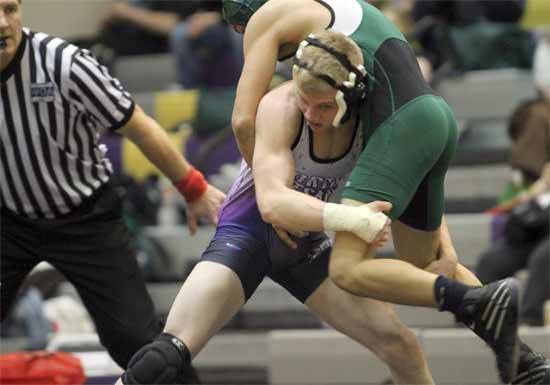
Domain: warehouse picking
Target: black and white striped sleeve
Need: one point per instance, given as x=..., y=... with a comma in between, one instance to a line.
x=98, y=94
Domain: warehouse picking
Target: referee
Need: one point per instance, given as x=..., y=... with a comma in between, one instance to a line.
x=57, y=201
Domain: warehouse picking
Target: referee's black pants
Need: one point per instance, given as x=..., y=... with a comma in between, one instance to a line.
x=92, y=248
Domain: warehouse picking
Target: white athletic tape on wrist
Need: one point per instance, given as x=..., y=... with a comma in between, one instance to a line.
x=360, y=220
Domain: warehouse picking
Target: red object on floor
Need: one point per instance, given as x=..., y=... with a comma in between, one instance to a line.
x=41, y=368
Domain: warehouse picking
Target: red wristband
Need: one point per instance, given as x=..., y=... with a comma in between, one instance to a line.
x=192, y=185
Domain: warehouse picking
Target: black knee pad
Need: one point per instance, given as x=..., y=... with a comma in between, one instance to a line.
x=160, y=362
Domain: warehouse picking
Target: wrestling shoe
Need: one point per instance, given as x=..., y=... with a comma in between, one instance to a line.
x=492, y=312
x=535, y=369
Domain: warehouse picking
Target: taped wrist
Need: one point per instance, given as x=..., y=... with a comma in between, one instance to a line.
x=360, y=220
x=159, y=362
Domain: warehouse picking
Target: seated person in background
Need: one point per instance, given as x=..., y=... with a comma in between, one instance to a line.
x=433, y=19
x=525, y=244
x=206, y=52
x=529, y=132
x=138, y=27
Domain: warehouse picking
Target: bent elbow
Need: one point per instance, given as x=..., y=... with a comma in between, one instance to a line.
x=242, y=125
x=342, y=274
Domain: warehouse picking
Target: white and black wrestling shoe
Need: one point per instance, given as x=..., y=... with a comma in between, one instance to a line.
x=534, y=369
x=492, y=312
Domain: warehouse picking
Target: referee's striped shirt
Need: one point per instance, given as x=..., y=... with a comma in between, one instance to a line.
x=56, y=101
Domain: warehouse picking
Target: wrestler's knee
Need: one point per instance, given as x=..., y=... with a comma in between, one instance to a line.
x=339, y=271
x=162, y=361
x=344, y=274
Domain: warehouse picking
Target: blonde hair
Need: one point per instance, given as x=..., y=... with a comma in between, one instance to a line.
x=319, y=61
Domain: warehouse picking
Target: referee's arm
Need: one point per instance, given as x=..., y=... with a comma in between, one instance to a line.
x=104, y=102
x=155, y=144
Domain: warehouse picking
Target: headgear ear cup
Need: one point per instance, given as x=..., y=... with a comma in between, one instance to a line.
x=351, y=93
x=355, y=97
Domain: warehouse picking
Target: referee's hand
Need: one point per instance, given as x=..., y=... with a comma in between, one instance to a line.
x=207, y=206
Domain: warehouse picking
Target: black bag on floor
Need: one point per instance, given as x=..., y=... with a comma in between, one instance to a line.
x=528, y=222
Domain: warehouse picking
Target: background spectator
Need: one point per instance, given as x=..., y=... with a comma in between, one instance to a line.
x=525, y=243
x=446, y=31
x=206, y=51
x=143, y=26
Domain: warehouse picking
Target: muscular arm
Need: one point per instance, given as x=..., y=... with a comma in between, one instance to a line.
x=276, y=128
x=155, y=144
x=274, y=170
x=266, y=32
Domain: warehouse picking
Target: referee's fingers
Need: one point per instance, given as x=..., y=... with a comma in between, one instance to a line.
x=192, y=222
x=214, y=218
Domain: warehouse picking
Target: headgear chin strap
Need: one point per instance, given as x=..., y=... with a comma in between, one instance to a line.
x=351, y=93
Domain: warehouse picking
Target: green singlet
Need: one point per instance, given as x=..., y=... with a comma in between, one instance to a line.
x=411, y=133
